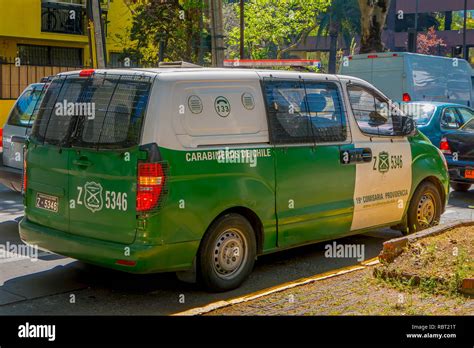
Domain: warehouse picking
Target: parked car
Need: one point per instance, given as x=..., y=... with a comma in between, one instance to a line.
x=458, y=147
x=406, y=77
x=198, y=171
x=435, y=120
x=15, y=131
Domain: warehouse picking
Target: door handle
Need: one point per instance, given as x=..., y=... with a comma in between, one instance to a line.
x=366, y=155
x=354, y=156
x=82, y=162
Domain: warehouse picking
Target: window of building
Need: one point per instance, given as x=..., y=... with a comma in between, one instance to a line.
x=50, y=55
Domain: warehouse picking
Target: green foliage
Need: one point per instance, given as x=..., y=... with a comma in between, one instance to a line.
x=176, y=24
x=273, y=27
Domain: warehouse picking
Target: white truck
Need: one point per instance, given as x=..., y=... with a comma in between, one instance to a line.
x=405, y=77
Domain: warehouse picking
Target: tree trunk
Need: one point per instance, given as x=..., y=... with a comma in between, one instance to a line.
x=333, y=36
x=373, y=17
x=333, y=53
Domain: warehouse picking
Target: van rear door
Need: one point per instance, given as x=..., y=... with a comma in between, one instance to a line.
x=386, y=72
x=104, y=158
x=47, y=174
x=103, y=145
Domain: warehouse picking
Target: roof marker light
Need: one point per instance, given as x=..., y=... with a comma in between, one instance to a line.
x=86, y=73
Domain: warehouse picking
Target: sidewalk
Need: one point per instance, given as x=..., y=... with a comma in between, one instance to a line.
x=355, y=293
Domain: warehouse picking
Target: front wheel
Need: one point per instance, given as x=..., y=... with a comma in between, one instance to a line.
x=425, y=208
x=460, y=187
x=227, y=253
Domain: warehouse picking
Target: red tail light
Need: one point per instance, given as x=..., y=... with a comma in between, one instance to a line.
x=406, y=97
x=1, y=138
x=444, y=147
x=373, y=56
x=151, y=180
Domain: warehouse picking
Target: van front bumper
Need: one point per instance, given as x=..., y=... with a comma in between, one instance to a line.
x=141, y=259
x=10, y=176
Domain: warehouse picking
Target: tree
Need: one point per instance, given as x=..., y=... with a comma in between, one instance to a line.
x=171, y=29
x=430, y=43
x=373, y=18
x=274, y=27
x=342, y=17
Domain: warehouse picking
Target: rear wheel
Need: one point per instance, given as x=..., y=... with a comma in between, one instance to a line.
x=425, y=208
x=460, y=187
x=227, y=253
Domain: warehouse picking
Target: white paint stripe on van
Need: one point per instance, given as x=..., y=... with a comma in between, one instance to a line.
x=381, y=193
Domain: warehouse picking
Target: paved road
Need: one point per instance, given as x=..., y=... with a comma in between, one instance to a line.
x=59, y=285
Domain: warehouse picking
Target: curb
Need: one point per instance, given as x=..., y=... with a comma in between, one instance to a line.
x=394, y=247
x=253, y=296
x=467, y=286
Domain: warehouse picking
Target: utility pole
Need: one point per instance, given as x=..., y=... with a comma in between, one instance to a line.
x=464, y=37
x=94, y=13
x=217, y=33
x=242, y=29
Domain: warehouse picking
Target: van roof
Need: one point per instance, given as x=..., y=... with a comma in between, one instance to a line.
x=395, y=54
x=229, y=72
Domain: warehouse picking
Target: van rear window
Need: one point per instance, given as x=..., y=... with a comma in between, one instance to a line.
x=105, y=111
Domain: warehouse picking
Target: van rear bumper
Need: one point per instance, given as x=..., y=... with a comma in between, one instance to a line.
x=147, y=258
x=9, y=175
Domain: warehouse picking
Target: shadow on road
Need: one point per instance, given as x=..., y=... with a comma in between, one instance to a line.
x=11, y=202
x=158, y=294
x=462, y=199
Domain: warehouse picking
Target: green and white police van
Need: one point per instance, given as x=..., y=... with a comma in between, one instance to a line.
x=199, y=171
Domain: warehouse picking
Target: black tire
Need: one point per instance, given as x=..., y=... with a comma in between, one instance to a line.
x=425, y=208
x=227, y=253
x=460, y=187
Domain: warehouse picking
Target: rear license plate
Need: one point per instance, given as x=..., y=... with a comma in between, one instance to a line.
x=47, y=202
x=469, y=174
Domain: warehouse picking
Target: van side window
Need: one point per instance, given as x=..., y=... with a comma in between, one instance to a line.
x=287, y=122
x=323, y=106
x=304, y=112
x=372, y=112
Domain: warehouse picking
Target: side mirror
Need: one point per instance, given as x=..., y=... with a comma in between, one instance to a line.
x=404, y=125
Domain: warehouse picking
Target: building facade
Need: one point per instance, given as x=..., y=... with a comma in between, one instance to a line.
x=446, y=17
x=43, y=37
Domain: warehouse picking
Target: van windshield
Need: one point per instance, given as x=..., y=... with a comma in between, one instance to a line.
x=105, y=111
x=25, y=109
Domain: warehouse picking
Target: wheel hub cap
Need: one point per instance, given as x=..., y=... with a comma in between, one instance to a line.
x=229, y=253
x=426, y=210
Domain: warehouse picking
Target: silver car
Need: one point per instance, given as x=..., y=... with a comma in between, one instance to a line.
x=15, y=131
